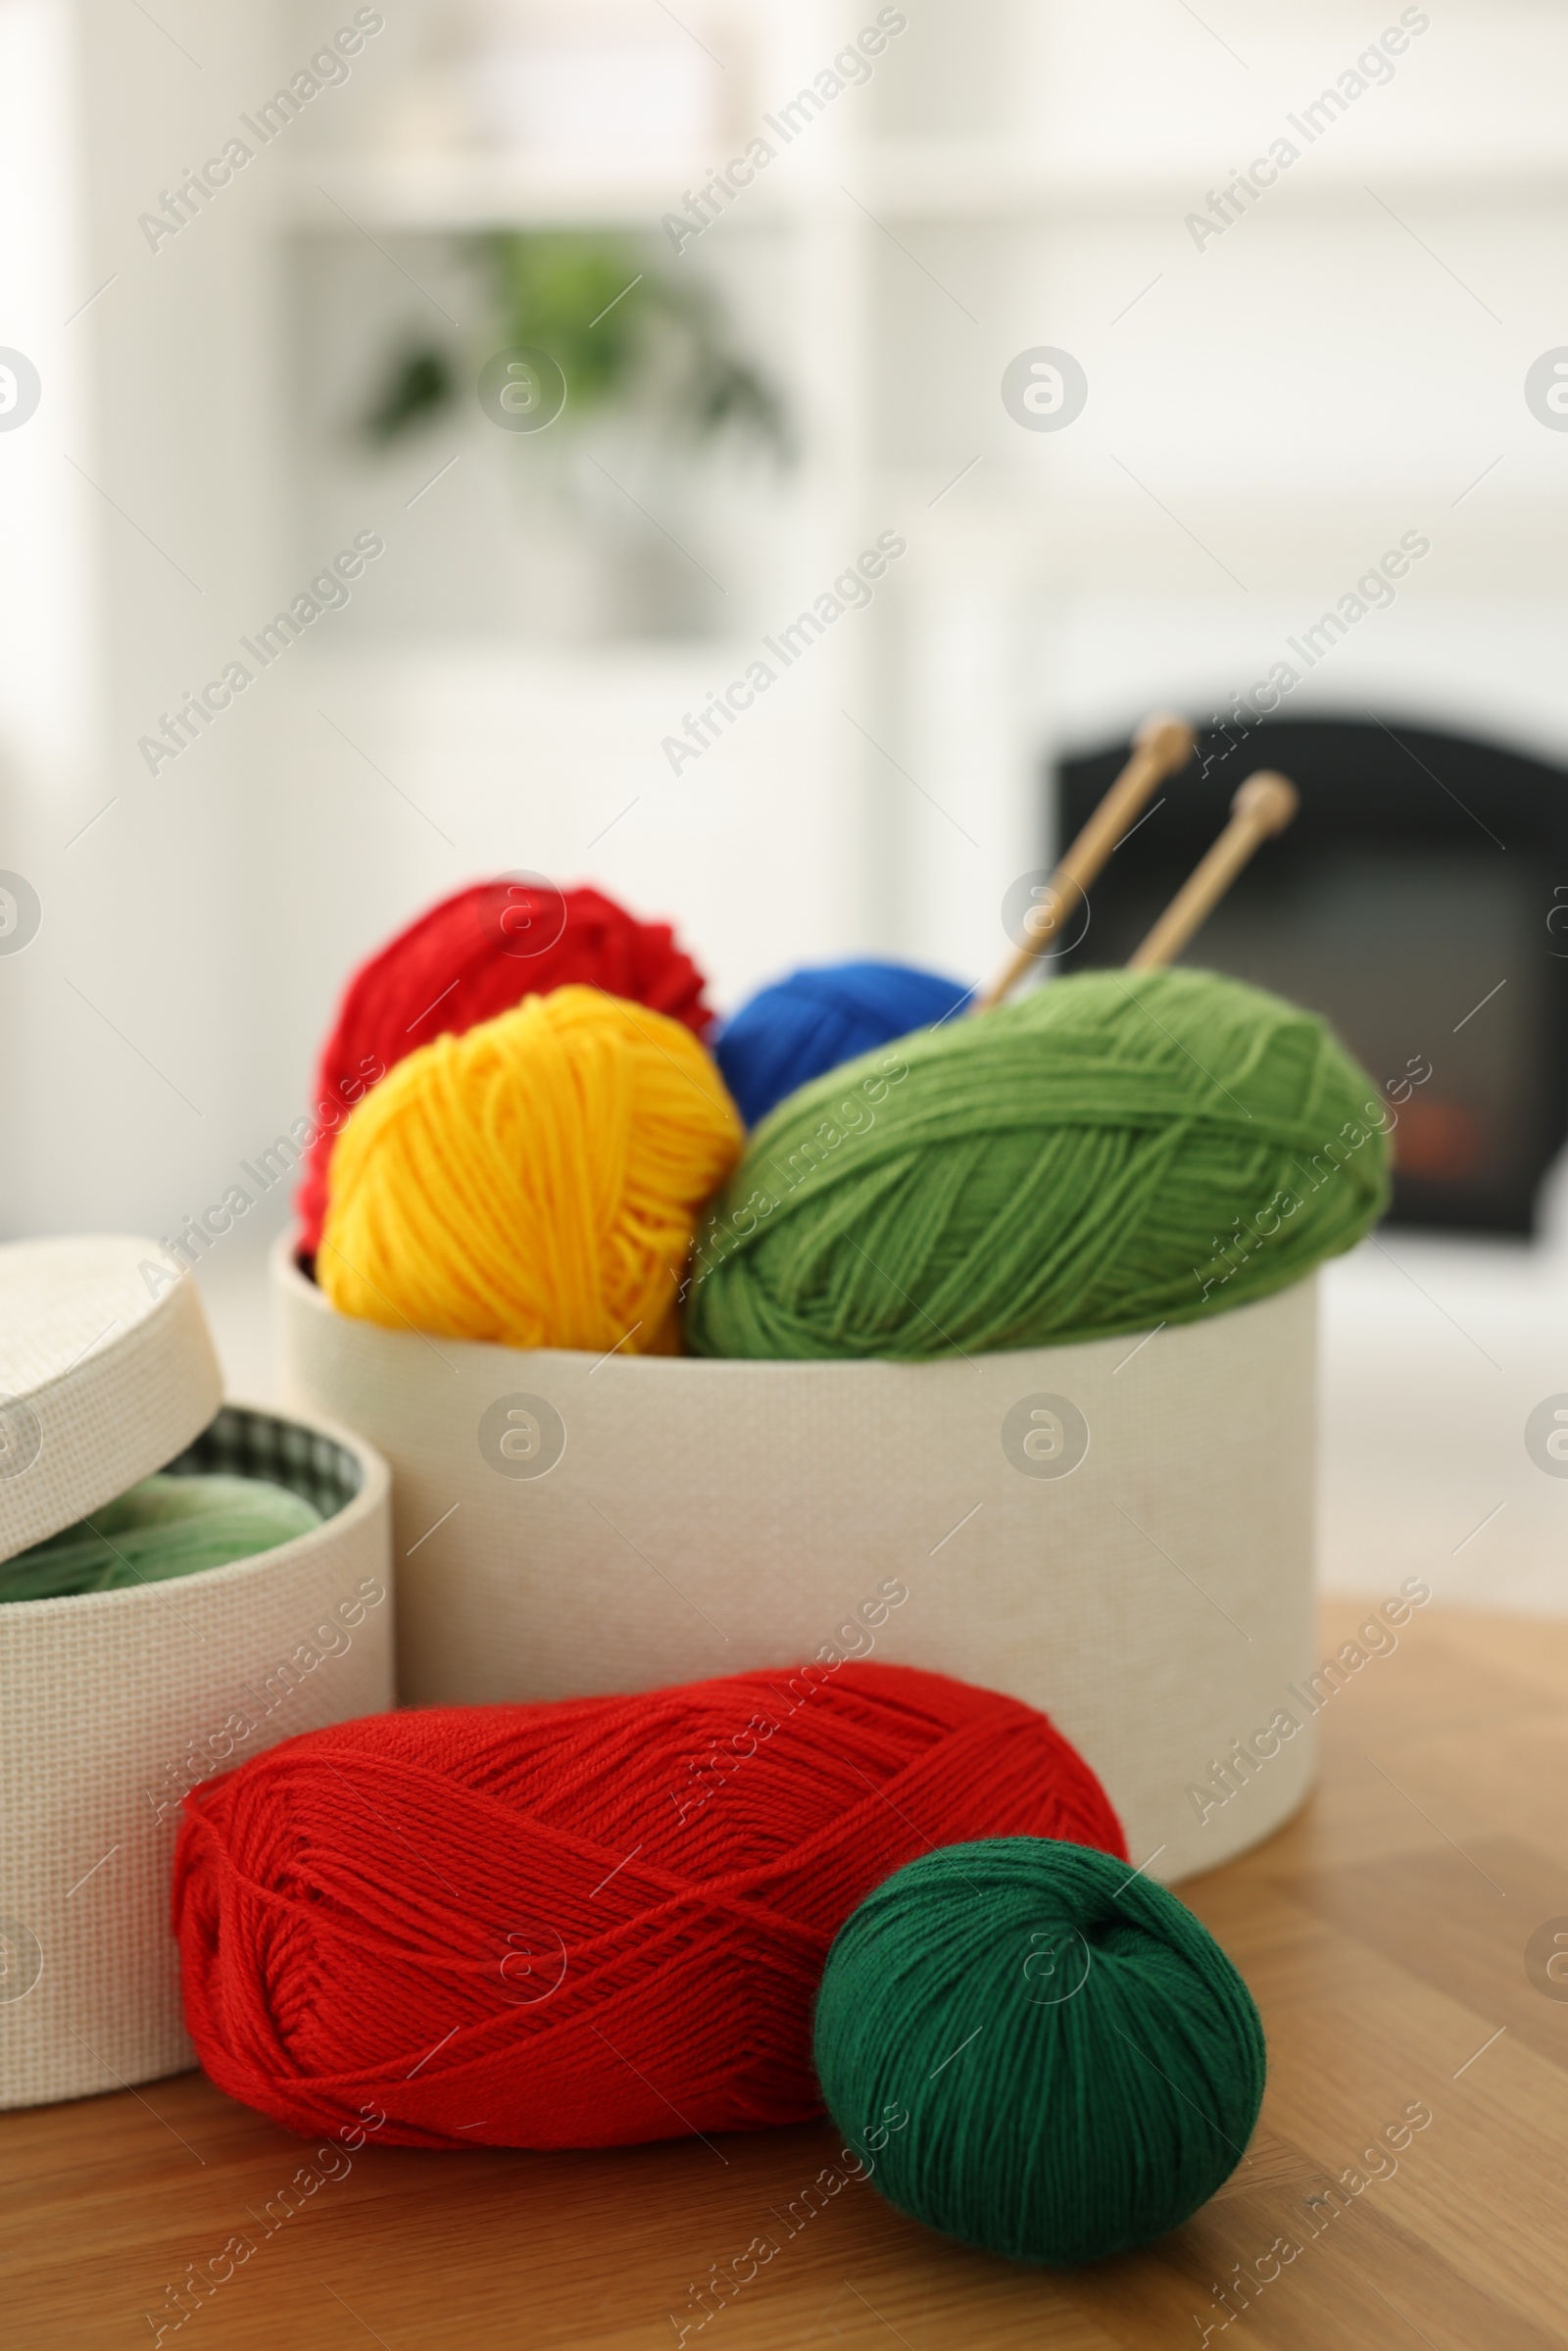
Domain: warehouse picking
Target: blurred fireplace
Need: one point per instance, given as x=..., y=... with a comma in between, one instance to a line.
x=1420, y=901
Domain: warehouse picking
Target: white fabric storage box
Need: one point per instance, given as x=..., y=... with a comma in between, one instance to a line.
x=113, y=1703
x=1119, y=1533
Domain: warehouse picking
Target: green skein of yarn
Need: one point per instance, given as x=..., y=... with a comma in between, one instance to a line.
x=1119, y=1150
x=163, y=1527
x=1038, y=2051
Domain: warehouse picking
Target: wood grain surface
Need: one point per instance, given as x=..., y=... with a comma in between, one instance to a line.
x=1384, y=1934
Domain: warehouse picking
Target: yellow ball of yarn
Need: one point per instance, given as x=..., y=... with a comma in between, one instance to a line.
x=535, y=1182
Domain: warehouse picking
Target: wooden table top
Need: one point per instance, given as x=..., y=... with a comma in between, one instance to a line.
x=1385, y=1935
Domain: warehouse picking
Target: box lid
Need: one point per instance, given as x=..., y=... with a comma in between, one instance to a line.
x=106, y=1373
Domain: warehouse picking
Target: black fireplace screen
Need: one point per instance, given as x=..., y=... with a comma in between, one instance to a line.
x=1420, y=901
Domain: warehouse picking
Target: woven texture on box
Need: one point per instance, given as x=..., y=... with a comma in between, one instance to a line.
x=100, y=1382
x=112, y=1705
x=1119, y=1533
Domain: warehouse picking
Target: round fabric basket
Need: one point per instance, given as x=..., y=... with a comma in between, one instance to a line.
x=1118, y=1532
x=114, y=1704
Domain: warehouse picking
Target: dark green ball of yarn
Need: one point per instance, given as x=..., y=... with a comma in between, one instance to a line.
x=1119, y=1150
x=1037, y=2052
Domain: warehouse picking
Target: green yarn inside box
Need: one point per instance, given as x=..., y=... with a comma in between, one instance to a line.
x=251, y=1481
x=163, y=1527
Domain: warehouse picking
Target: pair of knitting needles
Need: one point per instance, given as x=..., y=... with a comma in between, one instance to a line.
x=1262, y=806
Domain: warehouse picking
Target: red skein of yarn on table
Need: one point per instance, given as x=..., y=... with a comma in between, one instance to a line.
x=586, y=1924
x=472, y=955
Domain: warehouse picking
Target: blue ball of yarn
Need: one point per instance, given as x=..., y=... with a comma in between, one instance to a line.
x=800, y=1027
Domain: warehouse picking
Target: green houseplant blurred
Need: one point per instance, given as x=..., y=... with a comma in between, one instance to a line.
x=623, y=333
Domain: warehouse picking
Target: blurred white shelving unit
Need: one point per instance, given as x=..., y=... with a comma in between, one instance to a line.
x=998, y=181
x=781, y=843
x=1264, y=414
x=942, y=181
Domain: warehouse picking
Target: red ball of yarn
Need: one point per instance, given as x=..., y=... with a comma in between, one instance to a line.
x=586, y=1924
x=474, y=954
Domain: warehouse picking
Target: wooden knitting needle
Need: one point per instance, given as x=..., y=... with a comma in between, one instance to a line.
x=1263, y=805
x=1161, y=747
